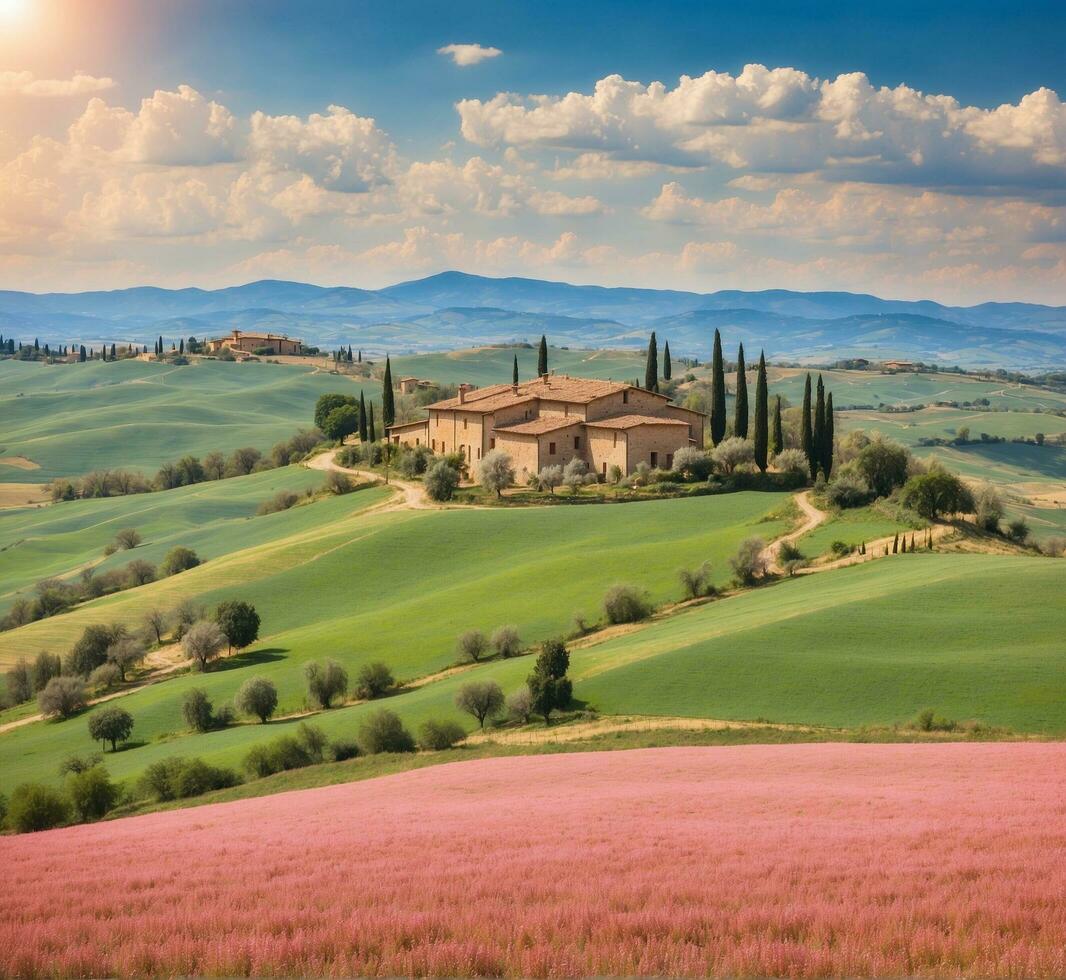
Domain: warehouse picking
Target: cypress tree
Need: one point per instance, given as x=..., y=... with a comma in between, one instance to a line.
x=349, y=353
x=818, y=442
x=717, y=392
x=514, y=371
x=542, y=356
x=827, y=446
x=159, y=349
x=36, y=345
x=667, y=367
x=651, y=365
x=762, y=433
x=112, y=352
x=740, y=405
x=903, y=545
x=895, y=543
x=370, y=427
x=181, y=346
x=777, y=441
x=806, y=436
x=81, y=354
x=360, y=357
x=388, y=406
x=362, y=419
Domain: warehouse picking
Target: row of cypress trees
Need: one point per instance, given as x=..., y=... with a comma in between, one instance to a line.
x=651, y=366
x=816, y=435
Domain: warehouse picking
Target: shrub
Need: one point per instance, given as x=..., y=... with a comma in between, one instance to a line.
x=692, y=463
x=45, y=666
x=506, y=641
x=112, y=725
x=749, y=563
x=373, y=680
x=731, y=453
x=550, y=477
x=313, y=739
x=789, y=551
x=496, y=472
x=343, y=748
x=203, y=642
x=195, y=777
x=696, y=582
x=91, y=648
x=441, y=480
x=338, y=483
x=576, y=474
x=257, y=696
x=520, y=706
x=847, y=490
x=179, y=559
x=626, y=604
x=62, y=697
x=937, y=492
x=124, y=654
x=472, y=645
x=482, y=699
x=988, y=508
x=127, y=538
x=415, y=462
x=928, y=721
x=384, y=732
x=841, y=548
x=1018, y=530
x=35, y=807
x=325, y=682
x=791, y=461
x=196, y=709
x=614, y=473
x=139, y=572
x=282, y=500
x=19, y=682
x=438, y=735
x=92, y=793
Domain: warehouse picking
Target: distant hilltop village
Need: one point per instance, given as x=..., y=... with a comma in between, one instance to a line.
x=255, y=343
x=556, y=418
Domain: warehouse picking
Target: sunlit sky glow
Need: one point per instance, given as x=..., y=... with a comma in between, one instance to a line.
x=913, y=152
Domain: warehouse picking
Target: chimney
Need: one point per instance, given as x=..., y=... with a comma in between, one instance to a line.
x=514, y=388
x=463, y=389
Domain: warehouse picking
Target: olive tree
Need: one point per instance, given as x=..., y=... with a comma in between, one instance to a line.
x=112, y=725
x=550, y=477
x=496, y=472
x=731, y=453
x=325, y=682
x=257, y=696
x=62, y=697
x=203, y=642
x=441, y=480
x=482, y=699
x=239, y=623
x=749, y=563
x=472, y=645
x=373, y=680
x=124, y=653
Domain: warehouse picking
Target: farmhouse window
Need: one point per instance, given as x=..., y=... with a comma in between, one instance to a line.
x=654, y=460
x=669, y=461
x=615, y=443
x=492, y=444
x=625, y=396
x=551, y=448
x=434, y=445
x=605, y=467
x=577, y=442
x=464, y=423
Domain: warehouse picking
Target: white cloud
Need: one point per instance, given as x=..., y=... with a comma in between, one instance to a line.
x=465, y=55
x=784, y=121
x=27, y=84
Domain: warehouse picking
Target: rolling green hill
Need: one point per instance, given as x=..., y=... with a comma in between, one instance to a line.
x=493, y=365
x=398, y=587
x=73, y=418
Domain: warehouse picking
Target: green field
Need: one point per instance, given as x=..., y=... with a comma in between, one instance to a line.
x=853, y=527
x=398, y=587
x=73, y=418
x=213, y=518
x=493, y=365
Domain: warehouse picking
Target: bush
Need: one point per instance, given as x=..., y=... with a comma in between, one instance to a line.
x=626, y=604
x=988, y=508
x=62, y=697
x=414, y=462
x=733, y=452
x=472, y=645
x=343, y=748
x=197, y=710
x=847, y=490
x=692, y=463
x=45, y=667
x=928, y=721
x=373, y=680
x=104, y=677
x=614, y=473
x=520, y=706
x=125, y=653
x=325, y=682
x=482, y=699
x=91, y=648
x=19, y=682
x=139, y=572
x=203, y=642
x=92, y=793
x=576, y=474
x=791, y=461
x=35, y=807
x=841, y=548
x=313, y=739
x=179, y=778
x=127, y=539
x=384, y=732
x=338, y=483
x=506, y=641
x=112, y=725
x=179, y=559
x=749, y=563
x=441, y=480
x=438, y=735
x=1018, y=530
x=257, y=696
x=282, y=500
x=696, y=582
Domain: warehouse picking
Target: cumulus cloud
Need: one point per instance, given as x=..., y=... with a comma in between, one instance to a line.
x=465, y=55
x=26, y=83
x=782, y=120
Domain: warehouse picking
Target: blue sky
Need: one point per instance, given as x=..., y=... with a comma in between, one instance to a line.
x=911, y=149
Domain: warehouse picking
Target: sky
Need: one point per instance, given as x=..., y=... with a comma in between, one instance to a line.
x=909, y=150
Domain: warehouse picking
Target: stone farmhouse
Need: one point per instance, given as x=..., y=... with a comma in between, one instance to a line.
x=554, y=419
x=249, y=343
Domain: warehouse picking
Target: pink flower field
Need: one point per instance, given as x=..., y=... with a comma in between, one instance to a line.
x=815, y=860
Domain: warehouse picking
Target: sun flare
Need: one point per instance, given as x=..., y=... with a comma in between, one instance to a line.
x=11, y=10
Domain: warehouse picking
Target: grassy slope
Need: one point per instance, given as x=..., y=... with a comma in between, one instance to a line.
x=852, y=527
x=398, y=587
x=71, y=419
x=488, y=365
x=212, y=518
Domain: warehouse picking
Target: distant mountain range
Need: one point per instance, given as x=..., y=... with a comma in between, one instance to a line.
x=455, y=309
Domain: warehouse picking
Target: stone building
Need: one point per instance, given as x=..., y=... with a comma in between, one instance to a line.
x=555, y=419
x=251, y=343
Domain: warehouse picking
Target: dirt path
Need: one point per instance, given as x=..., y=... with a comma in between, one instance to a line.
x=812, y=518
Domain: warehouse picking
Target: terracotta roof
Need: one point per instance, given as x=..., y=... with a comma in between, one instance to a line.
x=555, y=387
x=538, y=426
x=408, y=425
x=632, y=421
